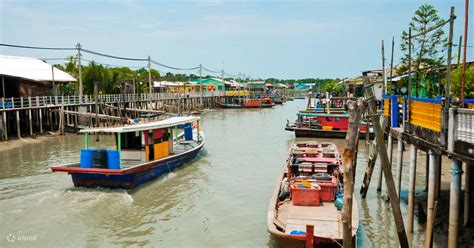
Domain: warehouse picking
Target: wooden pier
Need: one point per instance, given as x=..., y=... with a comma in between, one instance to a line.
x=437, y=129
x=35, y=115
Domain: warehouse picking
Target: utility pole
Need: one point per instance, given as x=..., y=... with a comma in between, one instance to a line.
x=459, y=51
x=463, y=74
x=407, y=105
x=391, y=61
x=383, y=69
x=223, y=80
x=54, y=83
x=149, y=76
x=78, y=47
x=200, y=84
x=450, y=51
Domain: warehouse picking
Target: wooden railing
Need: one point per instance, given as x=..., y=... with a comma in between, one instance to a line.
x=45, y=101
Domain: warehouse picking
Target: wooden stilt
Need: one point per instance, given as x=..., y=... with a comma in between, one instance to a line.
x=427, y=170
x=18, y=123
x=380, y=178
x=437, y=176
x=370, y=169
x=5, y=126
x=467, y=192
x=411, y=189
x=40, y=120
x=30, y=118
x=431, y=200
x=387, y=171
x=399, y=165
x=355, y=112
x=454, y=203
x=61, y=120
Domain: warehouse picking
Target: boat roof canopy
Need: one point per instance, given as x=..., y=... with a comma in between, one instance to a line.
x=170, y=122
x=322, y=114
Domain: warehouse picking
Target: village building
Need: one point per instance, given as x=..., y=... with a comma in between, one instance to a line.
x=29, y=77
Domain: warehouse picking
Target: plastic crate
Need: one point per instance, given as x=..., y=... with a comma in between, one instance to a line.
x=305, y=196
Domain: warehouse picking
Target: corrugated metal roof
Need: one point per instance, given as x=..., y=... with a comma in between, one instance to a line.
x=31, y=69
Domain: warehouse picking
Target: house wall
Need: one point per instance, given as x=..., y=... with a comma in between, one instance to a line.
x=18, y=87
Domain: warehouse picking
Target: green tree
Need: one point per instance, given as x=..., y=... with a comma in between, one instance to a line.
x=96, y=73
x=427, y=48
x=468, y=85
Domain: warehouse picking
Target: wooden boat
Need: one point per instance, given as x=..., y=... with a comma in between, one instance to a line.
x=259, y=103
x=324, y=110
x=293, y=208
x=143, y=152
x=265, y=102
x=323, y=125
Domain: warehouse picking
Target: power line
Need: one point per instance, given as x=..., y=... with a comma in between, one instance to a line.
x=112, y=56
x=209, y=70
x=172, y=67
x=39, y=48
x=112, y=65
x=109, y=56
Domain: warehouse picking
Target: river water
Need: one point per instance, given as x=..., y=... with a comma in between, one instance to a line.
x=218, y=200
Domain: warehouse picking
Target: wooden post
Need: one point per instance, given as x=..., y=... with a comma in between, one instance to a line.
x=437, y=176
x=29, y=116
x=355, y=113
x=4, y=115
x=41, y=120
x=309, y=236
x=18, y=123
x=370, y=169
x=431, y=200
x=454, y=203
x=411, y=189
x=61, y=120
x=397, y=214
x=399, y=165
x=467, y=192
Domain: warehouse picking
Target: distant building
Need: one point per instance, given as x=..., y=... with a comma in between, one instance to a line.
x=24, y=77
x=213, y=84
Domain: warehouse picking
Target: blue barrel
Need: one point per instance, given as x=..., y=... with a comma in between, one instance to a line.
x=113, y=159
x=86, y=158
x=188, y=132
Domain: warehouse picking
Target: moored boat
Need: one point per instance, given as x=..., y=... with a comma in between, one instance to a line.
x=259, y=103
x=324, y=125
x=249, y=103
x=308, y=193
x=143, y=152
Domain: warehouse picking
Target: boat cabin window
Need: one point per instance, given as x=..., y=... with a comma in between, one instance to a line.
x=131, y=141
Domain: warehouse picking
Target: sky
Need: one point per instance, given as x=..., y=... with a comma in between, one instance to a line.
x=262, y=39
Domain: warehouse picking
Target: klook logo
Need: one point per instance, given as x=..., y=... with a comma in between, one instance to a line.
x=21, y=237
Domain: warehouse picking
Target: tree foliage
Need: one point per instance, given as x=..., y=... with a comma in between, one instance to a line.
x=427, y=48
x=468, y=85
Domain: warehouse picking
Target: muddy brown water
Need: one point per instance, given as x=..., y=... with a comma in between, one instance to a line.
x=218, y=200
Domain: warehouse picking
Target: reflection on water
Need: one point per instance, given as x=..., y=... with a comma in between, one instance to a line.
x=218, y=200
